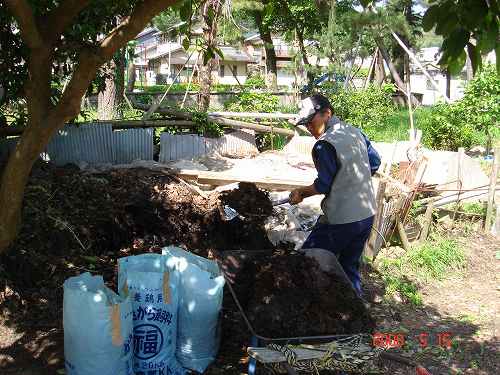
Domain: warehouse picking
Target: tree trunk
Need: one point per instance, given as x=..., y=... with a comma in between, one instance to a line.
x=379, y=70
x=120, y=80
x=272, y=70
x=448, y=83
x=210, y=37
x=15, y=177
x=397, y=78
x=131, y=75
x=205, y=85
x=106, y=100
x=302, y=47
x=44, y=119
x=109, y=101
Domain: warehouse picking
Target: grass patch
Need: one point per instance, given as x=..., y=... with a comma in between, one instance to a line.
x=477, y=208
x=406, y=289
x=434, y=260
x=397, y=126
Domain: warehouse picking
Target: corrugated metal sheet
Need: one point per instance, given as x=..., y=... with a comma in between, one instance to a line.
x=185, y=146
x=6, y=147
x=300, y=145
x=133, y=144
x=90, y=143
x=239, y=143
x=189, y=146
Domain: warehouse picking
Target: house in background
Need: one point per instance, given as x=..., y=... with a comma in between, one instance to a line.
x=287, y=72
x=160, y=58
x=420, y=84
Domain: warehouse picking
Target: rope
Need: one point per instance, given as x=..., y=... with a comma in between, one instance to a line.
x=352, y=354
x=459, y=190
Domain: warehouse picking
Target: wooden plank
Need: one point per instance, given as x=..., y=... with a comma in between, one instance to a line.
x=246, y=125
x=427, y=221
x=461, y=155
x=370, y=250
x=116, y=124
x=266, y=355
x=403, y=236
x=426, y=73
x=223, y=121
x=223, y=178
x=491, y=191
x=254, y=115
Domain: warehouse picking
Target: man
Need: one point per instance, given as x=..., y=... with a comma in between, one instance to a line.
x=345, y=161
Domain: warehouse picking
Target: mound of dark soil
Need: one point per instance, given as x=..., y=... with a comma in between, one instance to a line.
x=293, y=296
x=249, y=201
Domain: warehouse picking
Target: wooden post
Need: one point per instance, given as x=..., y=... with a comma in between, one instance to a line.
x=419, y=64
x=491, y=191
x=427, y=221
x=408, y=96
x=461, y=155
x=372, y=67
x=370, y=248
x=402, y=235
x=157, y=104
x=189, y=85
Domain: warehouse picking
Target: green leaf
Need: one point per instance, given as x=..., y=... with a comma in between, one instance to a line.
x=456, y=42
x=186, y=43
x=475, y=57
x=476, y=11
x=185, y=11
x=90, y=259
x=446, y=24
x=207, y=55
x=210, y=15
x=455, y=65
x=497, y=55
x=430, y=17
x=487, y=41
x=219, y=52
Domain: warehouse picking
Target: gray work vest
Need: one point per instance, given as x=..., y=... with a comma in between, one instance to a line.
x=351, y=197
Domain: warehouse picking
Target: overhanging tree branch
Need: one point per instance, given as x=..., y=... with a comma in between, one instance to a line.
x=44, y=119
x=60, y=18
x=91, y=59
x=132, y=25
x=23, y=13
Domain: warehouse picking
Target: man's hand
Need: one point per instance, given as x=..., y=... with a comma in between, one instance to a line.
x=296, y=196
x=299, y=194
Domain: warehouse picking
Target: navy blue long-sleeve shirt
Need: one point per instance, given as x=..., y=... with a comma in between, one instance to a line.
x=325, y=160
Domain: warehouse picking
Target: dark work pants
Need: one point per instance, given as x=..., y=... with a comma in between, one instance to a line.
x=346, y=241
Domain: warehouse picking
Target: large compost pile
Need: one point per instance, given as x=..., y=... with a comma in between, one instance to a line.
x=75, y=222
x=294, y=297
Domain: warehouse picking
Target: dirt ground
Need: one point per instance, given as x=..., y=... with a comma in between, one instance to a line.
x=462, y=310
x=74, y=223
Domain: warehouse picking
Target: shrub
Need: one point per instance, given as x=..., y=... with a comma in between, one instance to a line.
x=481, y=101
x=471, y=120
x=256, y=81
x=368, y=109
x=248, y=101
x=446, y=128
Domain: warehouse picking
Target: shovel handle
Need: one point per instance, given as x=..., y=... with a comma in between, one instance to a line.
x=281, y=201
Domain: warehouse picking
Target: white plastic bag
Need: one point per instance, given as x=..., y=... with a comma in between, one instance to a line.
x=97, y=328
x=153, y=290
x=200, y=303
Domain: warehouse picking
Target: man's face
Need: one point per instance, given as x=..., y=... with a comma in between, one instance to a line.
x=318, y=123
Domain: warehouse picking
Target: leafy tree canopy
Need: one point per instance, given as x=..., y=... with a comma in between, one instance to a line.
x=471, y=24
